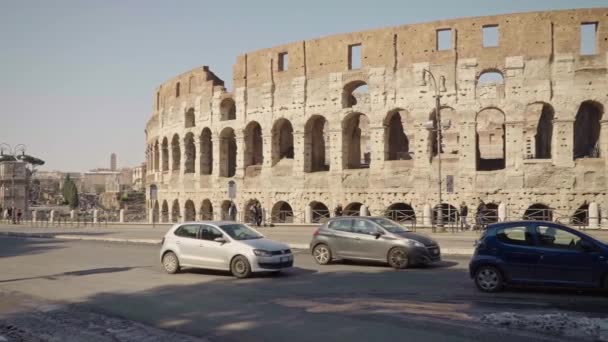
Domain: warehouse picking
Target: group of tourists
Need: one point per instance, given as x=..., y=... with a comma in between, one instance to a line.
x=11, y=213
x=256, y=213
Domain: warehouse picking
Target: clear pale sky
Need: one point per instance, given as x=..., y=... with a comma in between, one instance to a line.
x=77, y=78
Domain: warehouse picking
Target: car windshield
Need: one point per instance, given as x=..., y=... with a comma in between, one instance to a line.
x=240, y=232
x=389, y=225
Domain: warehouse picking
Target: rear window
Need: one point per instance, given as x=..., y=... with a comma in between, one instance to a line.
x=514, y=235
x=341, y=225
x=189, y=231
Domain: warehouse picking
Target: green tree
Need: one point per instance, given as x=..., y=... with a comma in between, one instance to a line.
x=70, y=192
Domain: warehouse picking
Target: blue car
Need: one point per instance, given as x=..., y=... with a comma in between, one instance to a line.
x=538, y=253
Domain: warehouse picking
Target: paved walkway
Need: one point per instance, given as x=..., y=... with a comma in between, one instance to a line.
x=297, y=236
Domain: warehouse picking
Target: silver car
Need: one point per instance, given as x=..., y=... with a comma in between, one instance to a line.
x=229, y=246
x=372, y=238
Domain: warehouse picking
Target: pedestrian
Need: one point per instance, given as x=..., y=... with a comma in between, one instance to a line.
x=253, y=213
x=19, y=213
x=464, y=212
x=338, y=210
x=481, y=211
x=232, y=211
x=260, y=214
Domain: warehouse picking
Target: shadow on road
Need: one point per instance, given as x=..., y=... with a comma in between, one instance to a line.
x=76, y=273
x=23, y=246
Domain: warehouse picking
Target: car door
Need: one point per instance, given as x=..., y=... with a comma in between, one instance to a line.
x=563, y=260
x=342, y=240
x=210, y=253
x=187, y=243
x=367, y=245
x=517, y=249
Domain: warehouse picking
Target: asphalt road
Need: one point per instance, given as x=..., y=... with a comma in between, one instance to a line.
x=353, y=301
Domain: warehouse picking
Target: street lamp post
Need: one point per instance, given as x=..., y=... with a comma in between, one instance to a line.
x=437, y=128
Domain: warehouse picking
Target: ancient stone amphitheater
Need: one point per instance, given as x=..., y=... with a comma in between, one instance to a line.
x=350, y=119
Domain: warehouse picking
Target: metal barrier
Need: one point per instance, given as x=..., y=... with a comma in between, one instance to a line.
x=320, y=216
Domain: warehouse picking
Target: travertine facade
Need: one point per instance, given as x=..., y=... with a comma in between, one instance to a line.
x=309, y=125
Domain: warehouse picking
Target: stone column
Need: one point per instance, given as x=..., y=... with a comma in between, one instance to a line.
x=240, y=155
x=514, y=142
x=121, y=214
x=72, y=214
x=376, y=138
x=308, y=214
x=562, y=143
x=427, y=214
x=502, y=212
x=468, y=152
x=34, y=216
x=182, y=161
x=299, y=151
x=52, y=216
x=215, y=156
x=363, y=211
x=267, y=143
x=95, y=216
x=594, y=215
x=604, y=141
x=336, y=163
x=197, y=155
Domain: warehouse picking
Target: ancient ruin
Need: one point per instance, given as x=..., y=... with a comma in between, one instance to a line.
x=340, y=120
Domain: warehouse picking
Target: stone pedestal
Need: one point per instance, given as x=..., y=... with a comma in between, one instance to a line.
x=502, y=212
x=121, y=218
x=72, y=214
x=52, y=216
x=427, y=218
x=34, y=216
x=95, y=216
x=594, y=215
x=308, y=214
x=363, y=211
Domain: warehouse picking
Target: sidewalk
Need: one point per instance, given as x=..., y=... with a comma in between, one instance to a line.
x=297, y=236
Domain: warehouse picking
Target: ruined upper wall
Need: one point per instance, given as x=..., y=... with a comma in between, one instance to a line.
x=532, y=35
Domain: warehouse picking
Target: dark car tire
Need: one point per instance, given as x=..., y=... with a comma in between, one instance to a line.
x=398, y=258
x=489, y=279
x=170, y=263
x=239, y=267
x=322, y=254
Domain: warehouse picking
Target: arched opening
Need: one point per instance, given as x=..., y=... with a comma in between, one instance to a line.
x=316, y=141
x=282, y=141
x=165, y=154
x=165, y=212
x=490, y=85
x=581, y=215
x=490, y=77
x=206, y=152
x=190, y=153
x=155, y=212
x=448, y=212
x=544, y=133
x=227, y=110
x=587, y=130
x=356, y=144
x=352, y=209
x=490, y=140
x=189, y=118
x=247, y=212
x=401, y=212
x=320, y=212
x=282, y=213
x=176, y=153
x=539, y=212
x=354, y=93
x=175, y=215
x=254, y=154
x=156, y=156
x=189, y=211
x=206, y=211
x=487, y=213
x=396, y=143
x=225, y=210
x=227, y=153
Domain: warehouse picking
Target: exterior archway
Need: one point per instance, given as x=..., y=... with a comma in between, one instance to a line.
x=449, y=213
x=581, y=215
x=190, y=153
x=254, y=144
x=539, y=212
x=316, y=144
x=189, y=211
x=165, y=212
x=176, y=153
x=490, y=140
x=225, y=210
x=354, y=93
x=282, y=140
x=165, y=154
x=396, y=143
x=352, y=209
x=206, y=152
x=227, y=153
x=587, y=130
x=320, y=212
x=227, y=110
x=356, y=149
x=206, y=211
x=175, y=215
x=189, y=120
x=487, y=215
x=155, y=212
x=282, y=213
x=401, y=212
x=247, y=214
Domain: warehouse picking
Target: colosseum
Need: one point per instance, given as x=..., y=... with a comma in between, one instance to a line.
x=351, y=120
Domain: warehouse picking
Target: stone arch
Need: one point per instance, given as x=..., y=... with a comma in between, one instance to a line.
x=587, y=130
x=316, y=144
x=396, y=142
x=354, y=93
x=190, y=148
x=401, y=212
x=449, y=213
x=175, y=214
x=356, y=150
x=254, y=144
x=247, y=217
x=282, y=140
x=165, y=154
x=320, y=212
x=189, y=120
x=538, y=130
x=539, y=212
x=206, y=210
x=490, y=139
x=227, y=109
x=165, y=212
x=489, y=214
x=206, y=152
x=490, y=84
x=176, y=153
x=225, y=210
x=155, y=212
x=282, y=213
x=189, y=211
x=581, y=215
x=352, y=209
x=227, y=153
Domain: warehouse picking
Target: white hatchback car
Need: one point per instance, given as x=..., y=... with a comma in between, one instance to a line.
x=223, y=245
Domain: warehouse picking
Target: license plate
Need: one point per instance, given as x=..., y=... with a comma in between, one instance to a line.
x=284, y=259
x=435, y=251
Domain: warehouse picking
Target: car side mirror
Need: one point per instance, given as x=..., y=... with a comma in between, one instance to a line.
x=378, y=234
x=220, y=240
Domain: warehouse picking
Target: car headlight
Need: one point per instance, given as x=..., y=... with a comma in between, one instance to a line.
x=416, y=243
x=261, y=252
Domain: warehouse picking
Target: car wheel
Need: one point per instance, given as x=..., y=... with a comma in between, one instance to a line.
x=398, y=258
x=240, y=267
x=170, y=263
x=322, y=254
x=488, y=279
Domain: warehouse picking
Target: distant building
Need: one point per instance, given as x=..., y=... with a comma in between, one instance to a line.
x=98, y=181
x=139, y=177
x=13, y=185
x=113, y=163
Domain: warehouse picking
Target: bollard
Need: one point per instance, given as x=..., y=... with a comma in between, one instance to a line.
x=52, y=216
x=95, y=213
x=502, y=212
x=427, y=215
x=363, y=211
x=308, y=214
x=122, y=216
x=34, y=216
x=594, y=215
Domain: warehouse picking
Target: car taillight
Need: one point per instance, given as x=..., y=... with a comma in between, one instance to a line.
x=316, y=232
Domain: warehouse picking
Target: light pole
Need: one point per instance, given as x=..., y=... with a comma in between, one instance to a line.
x=437, y=128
